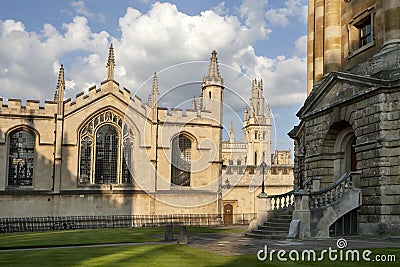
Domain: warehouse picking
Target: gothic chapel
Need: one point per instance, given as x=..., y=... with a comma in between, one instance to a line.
x=107, y=153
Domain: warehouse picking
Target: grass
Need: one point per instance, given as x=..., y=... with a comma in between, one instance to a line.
x=156, y=255
x=95, y=236
x=138, y=255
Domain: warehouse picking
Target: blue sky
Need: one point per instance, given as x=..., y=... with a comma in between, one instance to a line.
x=253, y=38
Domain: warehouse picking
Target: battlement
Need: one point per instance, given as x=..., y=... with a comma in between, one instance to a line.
x=178, y=115
x=107, y=87
x=236, y=145
x=32, y=108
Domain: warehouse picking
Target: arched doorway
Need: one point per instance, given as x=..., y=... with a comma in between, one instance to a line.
x=228, y=214
x=338, y=153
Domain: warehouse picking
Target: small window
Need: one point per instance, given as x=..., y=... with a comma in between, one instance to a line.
x=239, y=162
x=230, y=162
x=209, y=95
x=364, y=33
x=361, y=32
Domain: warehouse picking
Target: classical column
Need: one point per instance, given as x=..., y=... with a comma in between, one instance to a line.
x=332, y=36
x=310, y=46
x=392, y=23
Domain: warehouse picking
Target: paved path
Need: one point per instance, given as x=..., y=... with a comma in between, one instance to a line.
x=236, y=244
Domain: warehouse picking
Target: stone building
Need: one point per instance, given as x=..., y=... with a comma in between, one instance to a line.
x=350, y=121
x=108, y=153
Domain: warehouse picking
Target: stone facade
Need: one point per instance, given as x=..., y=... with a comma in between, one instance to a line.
x=350, y=120
x=108, y=153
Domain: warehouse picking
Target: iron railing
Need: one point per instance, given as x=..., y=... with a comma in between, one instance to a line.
x=34, y=224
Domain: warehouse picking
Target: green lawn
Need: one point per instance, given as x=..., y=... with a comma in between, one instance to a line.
x=137, y=255
x=154, y=255
x=95, y=236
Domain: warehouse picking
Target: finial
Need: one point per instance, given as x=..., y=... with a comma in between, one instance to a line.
x=232, y=133
x=155, y=84
x=213, y=77
x=154, y=91
x=111, y=63
x=59, y=95
x=194, y=104
x=246, y=114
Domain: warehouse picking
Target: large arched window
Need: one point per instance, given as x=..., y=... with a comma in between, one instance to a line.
x=21, y=158
x=106, y=151
x=181, y=160
x=107, y=148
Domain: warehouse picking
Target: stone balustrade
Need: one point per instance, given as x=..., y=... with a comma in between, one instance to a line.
x=334, y=192
x=282, y=201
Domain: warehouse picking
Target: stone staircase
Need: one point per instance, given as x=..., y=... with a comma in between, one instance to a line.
x=276, y=227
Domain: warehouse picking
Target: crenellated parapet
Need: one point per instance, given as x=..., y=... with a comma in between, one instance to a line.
x=14, y=107
x=180, y=116
x=94, y=93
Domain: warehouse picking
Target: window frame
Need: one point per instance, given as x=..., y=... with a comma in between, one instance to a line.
x=177, y=137
x=35, y=145
x=90, y=129
x=354, y=27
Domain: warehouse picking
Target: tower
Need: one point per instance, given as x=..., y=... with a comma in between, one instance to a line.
x=257, y=127
x=212, y=89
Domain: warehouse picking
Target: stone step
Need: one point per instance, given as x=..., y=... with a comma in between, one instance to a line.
x=277, y=220
x=260, y=236
x=279, y=228
x=271, y=232
x=272, y=224
x=279, y=216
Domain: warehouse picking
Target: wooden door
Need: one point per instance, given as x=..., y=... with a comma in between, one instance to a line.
x=228, y=214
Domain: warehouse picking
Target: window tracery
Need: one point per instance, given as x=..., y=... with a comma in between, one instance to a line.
x=106, y=150
x=21, y=158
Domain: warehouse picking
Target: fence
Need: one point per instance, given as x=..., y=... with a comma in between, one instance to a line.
x=34, y=224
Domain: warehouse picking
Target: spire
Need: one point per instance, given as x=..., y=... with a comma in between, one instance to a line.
x=232, y=133
x=194, y=104
x=154, y=90
x=59, y=95
x=213, y=77
x=111, y=63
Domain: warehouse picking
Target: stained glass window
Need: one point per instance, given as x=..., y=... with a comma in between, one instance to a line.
x=181, y=160
x=127, y=162
x=86, y=159
x=107, y=147
x=21, y=158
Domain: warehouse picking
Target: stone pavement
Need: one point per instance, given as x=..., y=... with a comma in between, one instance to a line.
x=227, y=244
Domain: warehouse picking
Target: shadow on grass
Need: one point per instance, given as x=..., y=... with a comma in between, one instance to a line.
x=154, y=255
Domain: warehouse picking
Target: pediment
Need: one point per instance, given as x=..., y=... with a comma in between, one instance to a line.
x=337, y=88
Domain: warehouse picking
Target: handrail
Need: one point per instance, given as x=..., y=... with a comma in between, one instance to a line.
x=334, y=192
x=281, y=201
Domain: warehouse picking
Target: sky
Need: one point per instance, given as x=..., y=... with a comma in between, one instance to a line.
x=253, y=38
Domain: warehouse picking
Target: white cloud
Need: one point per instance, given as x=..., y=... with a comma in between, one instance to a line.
x=301, y=46
x=81, y=9
x=150, y=42
x=293, y=8
x=220, y=9
x=30, y=56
